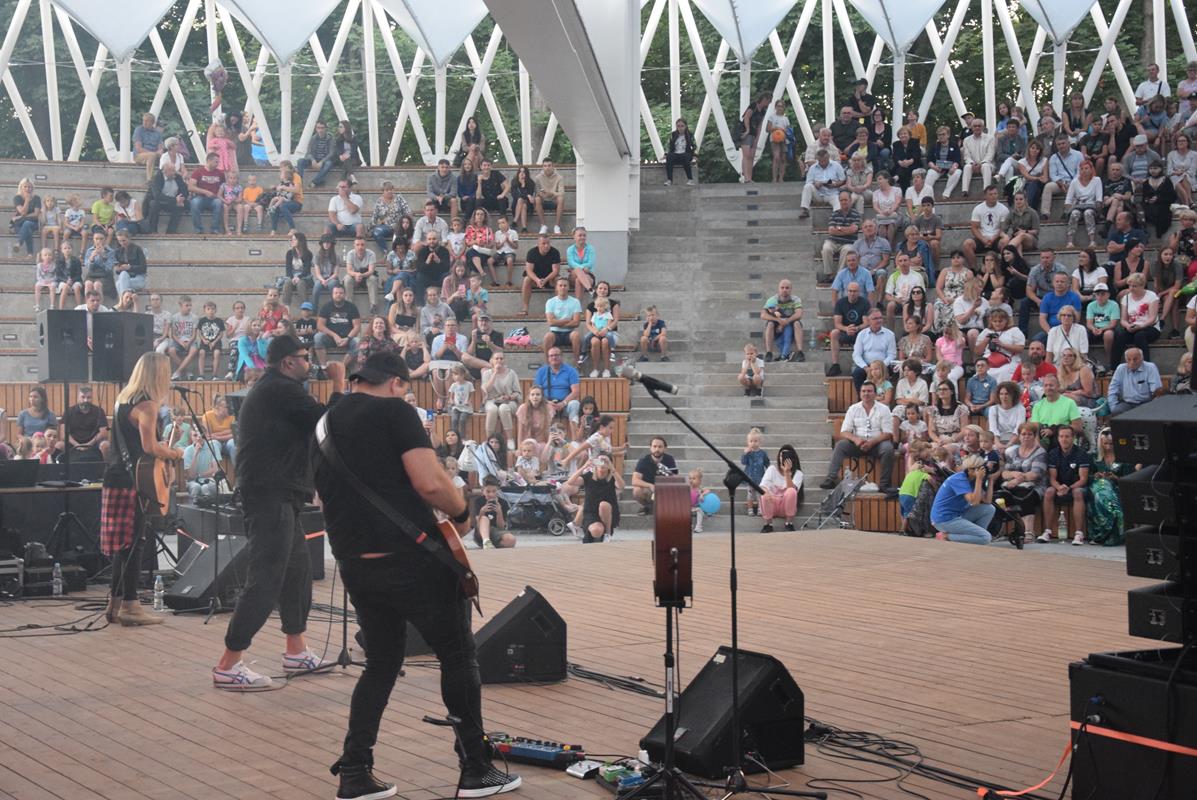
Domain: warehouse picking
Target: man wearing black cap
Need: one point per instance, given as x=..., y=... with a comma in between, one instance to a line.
x=274, y=475
x=393, y=580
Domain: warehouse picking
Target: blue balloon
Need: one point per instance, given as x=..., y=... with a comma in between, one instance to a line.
x=710, y=503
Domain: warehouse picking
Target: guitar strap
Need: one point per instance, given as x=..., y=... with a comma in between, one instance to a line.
x=430, y=544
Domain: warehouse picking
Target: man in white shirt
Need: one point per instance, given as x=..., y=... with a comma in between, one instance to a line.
x=823, y=180
x=867, y=431
x=986, y=227
x=429, y=222
x=822, y=142
x=1153, y=87
x=345, y=212
x=977, y=151
x=898, y=286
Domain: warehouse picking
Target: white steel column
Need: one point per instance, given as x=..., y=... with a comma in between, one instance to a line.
x=841, y=13
x=370, y=78
x=284, y=125
x=1181, y=17
x=251, y=94
x=987, y=55
x=874, y=59
x=440, y=81
x=14, y=92
x=47, y=17
x=829, y=106
x=1020, y=69
x=171, y=63
x=334, y=57
x=675, y=66
x=1059, y=62
x=197, y=143
x=1108, y=41
x=526, y=115
x=89, y=91
x=480, y=75
x=1128, y=92
x=899, y=88
x=124, y=78
x=93, y=80
x=482, y=70
x=407, y=87
x=941, y=70
x=1159, y=36
x=709, y=83
x=646, y=113
x=786, y=77
x=704, y=113
x=334, y=96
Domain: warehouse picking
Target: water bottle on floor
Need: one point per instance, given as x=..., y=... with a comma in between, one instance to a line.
x=56, y=580
x=159, y=594
x=1062, y=527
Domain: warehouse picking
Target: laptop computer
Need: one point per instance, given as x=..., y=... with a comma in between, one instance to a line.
x=18, y=474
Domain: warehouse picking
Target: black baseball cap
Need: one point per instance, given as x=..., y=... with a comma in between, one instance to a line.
x=282, y=346
x=380, y=368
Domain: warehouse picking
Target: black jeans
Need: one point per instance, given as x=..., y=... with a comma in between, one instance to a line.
x=279, y=570
x=387, y=593
x=678, y=158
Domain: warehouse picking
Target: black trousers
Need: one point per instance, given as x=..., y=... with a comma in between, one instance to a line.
x=387, y=593
x=172, y=210
x=279, y=571
x=672, y=159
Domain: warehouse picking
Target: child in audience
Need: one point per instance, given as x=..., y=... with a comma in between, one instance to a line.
x=461, y=405
x=877, y=373
x=754, y=461
x=73, y=219
x=68, y=272
x=942, y=463
x=490, y=516
x=588, y=418
x=51, y=222
x=476, y=298
x=251, y=194
x=209, y=332
x=218, y=142
x=981, y=390
x=652, y=336
x=917, y=472
x=950, y=348
x=182, y=334
x=103, y=214
x=697, y=493
x=943, y=374
x=752, y=372
x=305, y=326
x=553, y=453
x=506, y=243
x=44, y=278
x=912, y=430
x=451, y=469
x=401, y=269
x=527, y=465
x=600, y=343
x=993, y=456
x=230, y=195
x=455, y=241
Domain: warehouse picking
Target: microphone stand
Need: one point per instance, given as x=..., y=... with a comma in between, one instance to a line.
x=736, y=782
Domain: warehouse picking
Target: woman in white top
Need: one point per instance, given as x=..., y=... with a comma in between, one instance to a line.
x=501, y=394
x=1070, y=333
x=1088, y=274
x=1001, y=343
x=887, y=202
x=915, y=193
x=1083, y=200
x=860, y=180
x=776, y=120
x=970, y=309
x=1007, y=413
x=1182, y=168
x=782, y=482
x=1140, y=322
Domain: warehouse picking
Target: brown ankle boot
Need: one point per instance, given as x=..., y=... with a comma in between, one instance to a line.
x=132, y=613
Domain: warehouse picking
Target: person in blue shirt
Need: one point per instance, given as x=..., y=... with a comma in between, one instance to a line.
x=874, y=343
x=851, y=272
x=563, y=313
x=1050, y=304
x=560, y=384
x=1135, y=382
x=754, y=461
x=199, y=465
x=981, y=389
x=963, y=505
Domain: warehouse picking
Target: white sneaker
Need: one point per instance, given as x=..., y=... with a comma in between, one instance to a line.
x=303, y=662
x=511, y=445
x=389, y=297
x=544, y=229
x=606, y=373
x=594, y=373
x=240, y=678
x=690, y=182
x=669, y=183
x=1046, y=536
x=1078, y=539
x=556, y=230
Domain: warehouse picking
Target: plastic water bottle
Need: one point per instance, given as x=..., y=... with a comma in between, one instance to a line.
x=56, y=580
x=159, y=594
x=1062, y=527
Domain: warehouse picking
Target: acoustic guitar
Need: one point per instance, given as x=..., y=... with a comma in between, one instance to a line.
x=154, y=479
x=467, y=578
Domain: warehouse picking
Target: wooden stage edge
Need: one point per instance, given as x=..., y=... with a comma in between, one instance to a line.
x=962, y=650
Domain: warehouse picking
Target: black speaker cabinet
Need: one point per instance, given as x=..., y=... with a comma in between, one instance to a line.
x=523, y=642
x=62, y=346
x=118, y=340
x=198, y=580
x=1139, y=732
x=771, y=717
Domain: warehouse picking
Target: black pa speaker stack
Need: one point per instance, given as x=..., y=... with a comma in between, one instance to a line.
x=523, y=642
x=1134, y=714
x=118, y=340
x=771, y=718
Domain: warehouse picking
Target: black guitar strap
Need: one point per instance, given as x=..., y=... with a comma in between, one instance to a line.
x=431, y=544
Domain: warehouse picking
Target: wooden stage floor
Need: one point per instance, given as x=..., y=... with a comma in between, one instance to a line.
x=962, y=650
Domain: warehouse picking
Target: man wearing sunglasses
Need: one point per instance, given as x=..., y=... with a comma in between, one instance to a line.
x=274, y=476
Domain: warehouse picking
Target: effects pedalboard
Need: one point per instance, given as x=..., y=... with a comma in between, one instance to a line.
x=536, y=751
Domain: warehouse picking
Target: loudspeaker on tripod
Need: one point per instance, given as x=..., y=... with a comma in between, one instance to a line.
x=771, y=718
x=523, y=642
x=62, y=345
x=118, y=340
x=195, y=585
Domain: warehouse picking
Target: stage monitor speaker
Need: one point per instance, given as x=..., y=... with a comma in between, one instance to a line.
x=62, y=346
x=523, y=642
x=771, y=718
x=198, y=580
x=118, y=340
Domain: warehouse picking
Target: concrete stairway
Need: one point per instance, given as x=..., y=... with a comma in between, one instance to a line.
x=707, y=257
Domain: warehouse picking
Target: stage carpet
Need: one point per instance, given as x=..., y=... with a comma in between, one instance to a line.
x=962, y=650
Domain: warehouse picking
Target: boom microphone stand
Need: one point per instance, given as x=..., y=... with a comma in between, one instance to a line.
x=736, y=782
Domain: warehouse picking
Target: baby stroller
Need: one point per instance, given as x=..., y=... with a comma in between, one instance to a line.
x=1006, y=522
x=535, y=508
x=835, y=506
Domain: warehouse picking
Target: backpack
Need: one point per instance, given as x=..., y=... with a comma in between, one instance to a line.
x=919, y=521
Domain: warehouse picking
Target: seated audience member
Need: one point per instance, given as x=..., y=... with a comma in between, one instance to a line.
x=1021, y=226
x=501, y=396
x=550, y=196
x=1055, y=410
x=946, y=416
x=824, y=180
x=914, y=344
x=874, y=343
x=338, y=324
x=1182, y=381
x=978, y=153
x=782, y=483
x=361, y=270
x=493, y=189
x=209, y=332
x=200, y=465
x=680, y=149
x=129, y=267
x=851, y=272
x=1083, y=202
x=867, y=431
x=345, y=212
x=1067, y=477
x=85, y=429
x=874, y=252
x=1139, y=319
x=218, y=424
x=930, y=227
x=485, y=341
x=653, y=335
x=1101, y=321
x=490, y=510
x=433, y=314
x=848, y=320
x=911, y=389
x=752, y=372
x=1024, y=475
x=1063, y=167
x=579, y=262
x=426, y=224
x=563, y=314
x=981, y=389
x=389, y=209
x=656, y=462
x=1134, y=383
x=297, y=270
x=441, y=188
x=1007, y=414
x=842, y=230
x=963, y=504
x=448, y=351
x=542, y=266
x=985, y=227
x=943, y=158
x=1069, y=333
x=782, y=315
x=1123, y=236
x=326, y=270
x=1103, y=506
x=899, y=285
x=1051, y=304
x=560, y=384
x=204, y=188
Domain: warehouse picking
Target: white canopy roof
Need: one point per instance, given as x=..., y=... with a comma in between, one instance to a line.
x=1058, y=17
x=437, y=32
x=898, y=22
x=121, y=29
x=283, y=28
x=745, y=24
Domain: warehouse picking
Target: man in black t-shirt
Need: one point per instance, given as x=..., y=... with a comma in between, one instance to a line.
x=85, y=428
x=485, y=341
x=492, y=189
x=337, y=325
x=390, y=578
x=848, y=317
x=541, y=266
x=653, y=463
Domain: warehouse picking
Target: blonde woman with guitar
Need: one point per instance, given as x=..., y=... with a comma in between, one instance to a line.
x=126, y=502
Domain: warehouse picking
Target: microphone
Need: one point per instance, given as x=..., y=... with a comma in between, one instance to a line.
x=647, y=381
x=183, y=389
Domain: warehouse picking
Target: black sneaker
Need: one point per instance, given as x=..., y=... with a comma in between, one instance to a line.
x=833, y=371
x=827, y=483
x=491, y=782
x=798, y=355
x=767, y=527
x=769, y=356
x=664, y=358
x=789, y=526
x=642, y=359
x=358, y=783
